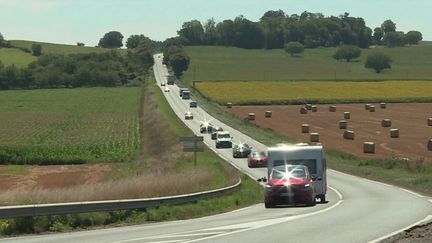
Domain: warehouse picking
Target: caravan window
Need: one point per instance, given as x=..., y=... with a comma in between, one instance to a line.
x=311, y=164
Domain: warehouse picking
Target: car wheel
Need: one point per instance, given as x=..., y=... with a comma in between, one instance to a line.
x=217, y=146
x=322, y=198
x=312, y=202
x=268, y=205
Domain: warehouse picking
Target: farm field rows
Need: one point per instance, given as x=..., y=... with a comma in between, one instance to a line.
x=410, y=119
x=277, y=92
x=61, y=126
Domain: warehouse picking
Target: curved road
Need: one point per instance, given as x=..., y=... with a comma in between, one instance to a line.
x=358, y=210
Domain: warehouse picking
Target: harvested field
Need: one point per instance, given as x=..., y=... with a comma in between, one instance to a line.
x=408, y=118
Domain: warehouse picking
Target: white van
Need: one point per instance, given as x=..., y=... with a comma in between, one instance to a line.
x=312, y=156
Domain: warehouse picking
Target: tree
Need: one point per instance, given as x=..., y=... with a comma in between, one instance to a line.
x=112, y=39
x=378, y=35
x=294, y=47
x=378, y=61
x=36, y=49
x=394, y=39
x=193, y=32
x=80, y=44
x=134, y=41
x=388, y=26
x=179, y=62
x=413, y=37
x=347, y=52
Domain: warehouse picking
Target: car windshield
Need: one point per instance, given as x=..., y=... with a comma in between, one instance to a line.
x=258, y=154
x=224, y=135
x=289, y=171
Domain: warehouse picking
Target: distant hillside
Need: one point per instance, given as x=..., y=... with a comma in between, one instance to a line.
x=20, y=58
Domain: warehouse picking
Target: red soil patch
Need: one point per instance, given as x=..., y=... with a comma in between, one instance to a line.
x=54, y=176
x=410, y=119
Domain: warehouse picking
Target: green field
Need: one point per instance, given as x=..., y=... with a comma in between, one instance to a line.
x=9, y=56
x=13, y=56
x=229, y=63
x=68, y=125
x=296, y=92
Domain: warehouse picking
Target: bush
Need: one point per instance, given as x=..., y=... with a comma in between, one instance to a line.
x=347, y=52
x=294, y=47
x=378, y=61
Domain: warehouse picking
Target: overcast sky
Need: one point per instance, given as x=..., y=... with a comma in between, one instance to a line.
x=71, y=21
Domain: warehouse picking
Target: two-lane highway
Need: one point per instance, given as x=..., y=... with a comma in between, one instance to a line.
x=359, y=210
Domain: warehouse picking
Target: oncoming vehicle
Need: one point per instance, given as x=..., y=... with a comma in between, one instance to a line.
x=223, y=140
x=163, y=84
x=214, y=132
x=241, y=150
x=206, y=127
x=166, y=89
x=188, y=115
x=193, y=104
x=311, y=156
x=181, y=90
x=185, y=95
x=257, y=159
x=289, y=184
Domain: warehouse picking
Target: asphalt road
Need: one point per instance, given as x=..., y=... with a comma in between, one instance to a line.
x=358, y=210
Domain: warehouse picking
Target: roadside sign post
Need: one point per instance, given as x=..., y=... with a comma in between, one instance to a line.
x=193, y=144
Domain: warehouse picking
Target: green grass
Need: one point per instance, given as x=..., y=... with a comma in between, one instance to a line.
x=68, y=125
x=13, y=169
x=298, y=92
x=13, y=56
x=229, y=63
x=52, y=48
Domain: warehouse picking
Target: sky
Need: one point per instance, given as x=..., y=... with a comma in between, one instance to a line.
x=72, y=21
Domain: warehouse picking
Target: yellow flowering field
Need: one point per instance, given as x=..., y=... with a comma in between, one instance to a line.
x=243, y=92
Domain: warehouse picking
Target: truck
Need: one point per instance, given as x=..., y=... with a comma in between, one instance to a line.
x=171, y=79
x=186, y=95
x=312, y=156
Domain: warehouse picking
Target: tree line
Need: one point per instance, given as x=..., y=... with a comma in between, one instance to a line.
x=275, y=28
x=111, y=68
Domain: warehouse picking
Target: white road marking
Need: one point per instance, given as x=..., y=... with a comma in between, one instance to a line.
x=428, y=218
x=411, y=192
x=262, y=223
x=337, y=192
x=174, y=235
x=430, y=200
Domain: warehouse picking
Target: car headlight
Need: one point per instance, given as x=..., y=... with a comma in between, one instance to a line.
x=307, y=185
x=267, y=186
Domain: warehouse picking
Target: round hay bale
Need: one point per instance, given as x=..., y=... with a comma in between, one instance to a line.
x=429, y=121
x=367, y=106
x=383, y=105
x=372, y=108
x=268, y=114
x=314, y=137
x=343, y=124
x=348, y=135
x=303, y=110
x=332, y=108
x=251, y=116
x=394, y=133
x=314, y=108
x=308, y=107
x=369, y=147
x=305, y=128
x=386, y=123
x=229, y=105
x=347, y=115
x=430, y=145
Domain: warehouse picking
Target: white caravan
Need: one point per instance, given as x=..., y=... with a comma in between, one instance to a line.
x=312, y=156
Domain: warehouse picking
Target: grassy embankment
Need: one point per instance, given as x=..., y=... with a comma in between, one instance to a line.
x=160, y=157
x=20, y=58
x=221, y=63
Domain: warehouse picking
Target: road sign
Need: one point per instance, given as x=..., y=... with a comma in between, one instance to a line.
x=193, y=144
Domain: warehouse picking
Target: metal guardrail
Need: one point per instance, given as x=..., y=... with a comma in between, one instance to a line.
x=110, y=205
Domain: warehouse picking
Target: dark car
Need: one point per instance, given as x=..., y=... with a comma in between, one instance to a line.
x=241, y=150
x=193, y=104
x=257, y=159
x=214, y=132
x=206, y=127
x=289, y=184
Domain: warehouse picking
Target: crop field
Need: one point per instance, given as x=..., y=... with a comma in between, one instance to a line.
x=68, y=125
x=276, y=92
x=52, y=48
x=230, y=63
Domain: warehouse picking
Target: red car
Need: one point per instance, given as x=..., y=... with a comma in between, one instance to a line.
x=289, y=184
x=257, y=159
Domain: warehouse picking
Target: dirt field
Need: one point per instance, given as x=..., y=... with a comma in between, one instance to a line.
x=53, y=176
x=410, y=119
